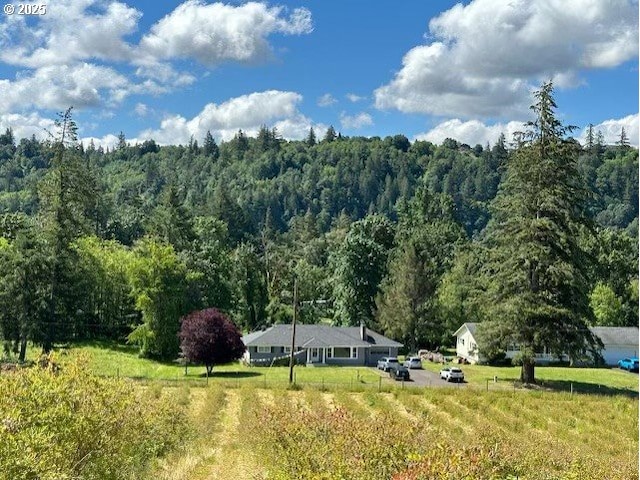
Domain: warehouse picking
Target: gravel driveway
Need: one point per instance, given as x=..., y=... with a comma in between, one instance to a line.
x=426, y=378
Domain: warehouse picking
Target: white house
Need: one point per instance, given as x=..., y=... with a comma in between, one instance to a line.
x=619, y=342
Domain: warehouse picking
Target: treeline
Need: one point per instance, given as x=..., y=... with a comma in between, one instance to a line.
x=121, y=243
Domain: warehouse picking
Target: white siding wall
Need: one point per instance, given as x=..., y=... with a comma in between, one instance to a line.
x=466, y=346
x=613, y=353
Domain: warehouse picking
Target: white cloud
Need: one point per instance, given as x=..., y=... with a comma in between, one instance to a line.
x=108, y=141
x=247, y=112
x=162, y=73
x=471, y=132
x=352, y=97
x=216, y=33
x=486, y=55
x=24, y=126
x=141, y=109
x=612, y=128
x=354, y=122
x=60, y=86
x=326, y=100
x=69, y=32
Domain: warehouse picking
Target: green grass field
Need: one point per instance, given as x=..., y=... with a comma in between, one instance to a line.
x=123, y=361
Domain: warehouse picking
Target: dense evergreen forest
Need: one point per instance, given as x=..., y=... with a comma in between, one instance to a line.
x=121, y=243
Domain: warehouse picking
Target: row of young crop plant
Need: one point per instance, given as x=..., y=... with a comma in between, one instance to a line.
x=437, y=434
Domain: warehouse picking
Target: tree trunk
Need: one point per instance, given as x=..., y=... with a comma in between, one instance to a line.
x=23, y=349
x=209, y=370
x=527, y=372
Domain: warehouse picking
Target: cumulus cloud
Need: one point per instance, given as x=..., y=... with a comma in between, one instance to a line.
x=69, y=32
x=59, y=86
x=77, y=39
x=24, y=126
x=611, y=130
x=107, y=141
x=471, y=132
x=216, y=33
x=326, y=100
x=354, y=122
x=486, y=55
x=247, y=112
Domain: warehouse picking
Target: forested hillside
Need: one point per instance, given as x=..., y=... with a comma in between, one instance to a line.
x=121, y=243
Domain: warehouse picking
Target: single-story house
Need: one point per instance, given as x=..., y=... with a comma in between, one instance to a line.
x=319, y=344
x=619, y=342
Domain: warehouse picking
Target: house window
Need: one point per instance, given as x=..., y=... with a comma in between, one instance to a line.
x=354, y=352
x=341, y=352
x=264, y=349
x=473, y=346
x=462, y=341
x=329, y=352
x=286, y=349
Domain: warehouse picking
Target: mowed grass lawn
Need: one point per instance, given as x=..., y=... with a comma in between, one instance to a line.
x=592, y=380
x=122, y=360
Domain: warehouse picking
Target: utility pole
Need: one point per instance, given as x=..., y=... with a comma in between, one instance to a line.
x=293, y=330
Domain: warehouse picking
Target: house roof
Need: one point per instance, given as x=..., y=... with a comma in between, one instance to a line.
x=616, y=335
x=469, y=326
x=608, y=335
x=312, y=336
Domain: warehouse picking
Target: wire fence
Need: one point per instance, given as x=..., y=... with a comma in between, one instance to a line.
x=371, y=382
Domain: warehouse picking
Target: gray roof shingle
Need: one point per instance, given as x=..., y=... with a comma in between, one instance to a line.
x=608, y=335
x=617, y=335
x=310, y=336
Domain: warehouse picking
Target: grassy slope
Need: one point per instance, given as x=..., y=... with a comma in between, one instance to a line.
x=123, y=361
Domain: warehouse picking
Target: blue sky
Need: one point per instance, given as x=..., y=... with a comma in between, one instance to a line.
x=428, y=69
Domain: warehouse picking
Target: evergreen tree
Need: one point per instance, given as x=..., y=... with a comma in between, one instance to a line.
x=427, y=238
x=311, y=138
x=67, y=194
x=330, y=135
x=210, y=146
x=25, y=287
x=623, y=140
x=538, y=290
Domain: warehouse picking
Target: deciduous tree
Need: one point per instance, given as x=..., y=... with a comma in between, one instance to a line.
x=210, y=338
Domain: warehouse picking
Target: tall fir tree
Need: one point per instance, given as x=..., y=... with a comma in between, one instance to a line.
x=538, y=288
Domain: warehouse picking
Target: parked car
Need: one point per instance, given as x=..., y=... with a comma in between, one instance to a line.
x=385, y=363
x=399, y=372
x=630, y=364
x=452, y=374
x=413, y=362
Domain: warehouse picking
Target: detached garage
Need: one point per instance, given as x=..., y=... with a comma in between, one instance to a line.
x=619, y=343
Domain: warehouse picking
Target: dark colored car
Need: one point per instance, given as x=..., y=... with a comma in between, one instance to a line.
x=399, y=372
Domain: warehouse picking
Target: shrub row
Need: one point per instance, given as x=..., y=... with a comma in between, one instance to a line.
x=69, y=424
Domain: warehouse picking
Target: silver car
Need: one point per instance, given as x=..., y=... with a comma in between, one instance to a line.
x=413, y=362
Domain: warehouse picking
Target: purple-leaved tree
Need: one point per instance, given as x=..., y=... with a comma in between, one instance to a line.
x=208, y=337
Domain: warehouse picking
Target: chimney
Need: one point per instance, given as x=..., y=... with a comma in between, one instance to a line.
x=363, y=332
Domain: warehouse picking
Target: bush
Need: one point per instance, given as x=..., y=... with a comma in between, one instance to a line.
x=70, y=424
